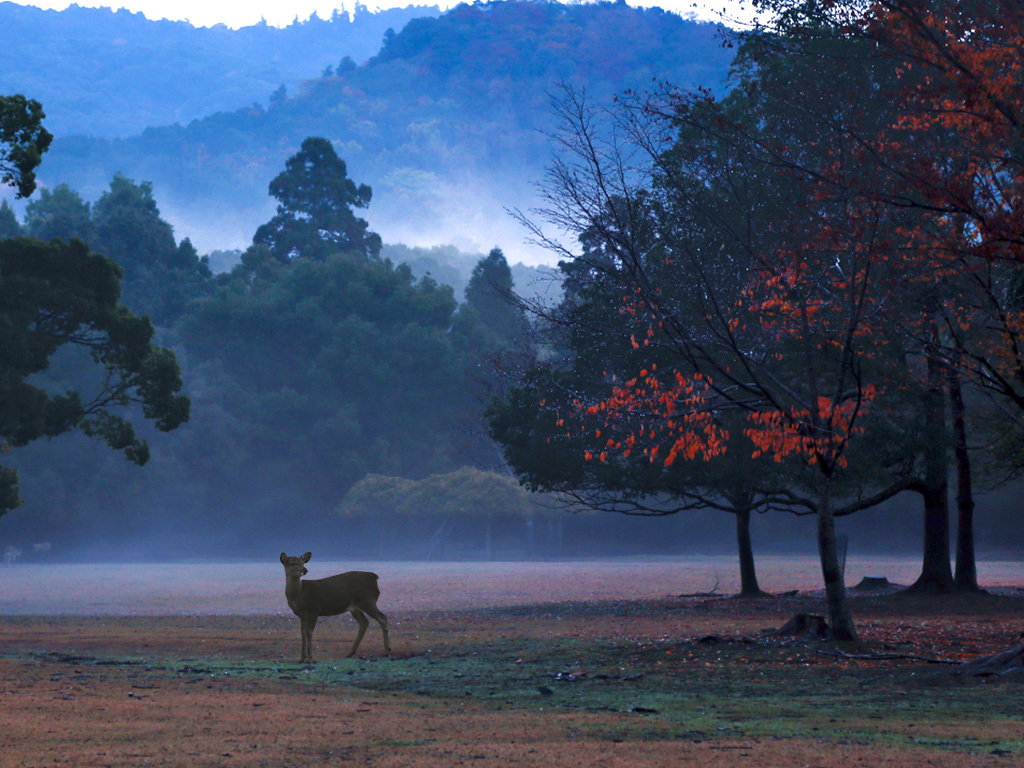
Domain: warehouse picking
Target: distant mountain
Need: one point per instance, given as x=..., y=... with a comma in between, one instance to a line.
x=446, y=123
x=107, y=73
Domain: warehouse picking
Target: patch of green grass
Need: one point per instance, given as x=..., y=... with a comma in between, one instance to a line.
x=727, y=692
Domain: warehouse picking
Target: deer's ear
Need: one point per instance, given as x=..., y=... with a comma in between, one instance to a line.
x=284, y=558
x=305, y=557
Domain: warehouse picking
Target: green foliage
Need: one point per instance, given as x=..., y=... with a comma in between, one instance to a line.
x=449, y=265
x=160, y=276
x=128, y=225
x=314, y=213
x=9, y=226
x=59, y=213
x=490, y=295
x=23, y=140
x=328, y=369
x=465, y=492
x=444, y=263
x=60, y=294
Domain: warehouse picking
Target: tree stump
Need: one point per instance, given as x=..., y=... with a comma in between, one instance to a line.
x=1003, y=664
x=806, y=625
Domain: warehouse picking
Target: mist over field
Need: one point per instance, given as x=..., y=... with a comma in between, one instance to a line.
x=248, y=588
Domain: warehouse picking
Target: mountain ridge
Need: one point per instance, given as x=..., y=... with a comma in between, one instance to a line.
x=448, y=123
x=111, y=73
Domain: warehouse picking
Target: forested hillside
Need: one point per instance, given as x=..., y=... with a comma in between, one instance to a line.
x=311, y=364
x=106, y=73
x=445, y=123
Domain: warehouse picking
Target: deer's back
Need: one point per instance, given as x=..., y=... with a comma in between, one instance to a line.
x=338, y=594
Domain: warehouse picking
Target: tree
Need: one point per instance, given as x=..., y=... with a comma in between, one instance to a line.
x=591, y=343
x=327, y=369
x=587, y=343
x=59, y=296
x=950, y=157
x=59, y=213
x=548, y=450
x=440, y=508
x=490, y=294
x=23, y=140
x=160, y=277
x=314, y=213
x=129, y=229
x=962, y=105
x=779, y=317
x=9, y=226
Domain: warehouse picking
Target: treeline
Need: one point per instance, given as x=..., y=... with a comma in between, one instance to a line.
x=115, y=73
x=310, y=364
x=445, y=122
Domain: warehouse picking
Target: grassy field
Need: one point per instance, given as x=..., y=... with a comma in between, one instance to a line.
x=587, y=676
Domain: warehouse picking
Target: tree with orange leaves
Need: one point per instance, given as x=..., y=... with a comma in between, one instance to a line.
x=752, y=286
x=950, y=156
x=553, y=445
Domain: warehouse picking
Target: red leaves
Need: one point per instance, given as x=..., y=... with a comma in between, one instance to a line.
x=669, y=416
x=821, y=436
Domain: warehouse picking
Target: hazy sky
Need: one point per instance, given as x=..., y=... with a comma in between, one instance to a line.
x=239, y=13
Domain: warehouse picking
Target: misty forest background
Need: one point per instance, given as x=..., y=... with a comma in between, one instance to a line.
x=337, y=403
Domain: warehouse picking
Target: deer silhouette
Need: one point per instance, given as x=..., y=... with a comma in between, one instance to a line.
x=354, y=592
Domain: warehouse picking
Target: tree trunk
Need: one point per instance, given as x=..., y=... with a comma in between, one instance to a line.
x=936, y=574
x=748, y=574
x=966, y=576
x=840, y=618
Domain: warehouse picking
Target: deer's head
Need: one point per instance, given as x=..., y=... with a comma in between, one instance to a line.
x=295, y=566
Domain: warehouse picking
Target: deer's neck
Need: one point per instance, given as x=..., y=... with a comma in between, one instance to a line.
x=293, y=589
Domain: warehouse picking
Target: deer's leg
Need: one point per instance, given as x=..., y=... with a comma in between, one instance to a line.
x=364, y=622
x=308, y=625
x=381, y=619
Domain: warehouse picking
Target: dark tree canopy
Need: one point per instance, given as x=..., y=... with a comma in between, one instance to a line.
x=59, y=213
x=490, y=294
x=314, y=213
x=9, y=226
x=324, y=369
x=128, y=225
x=55, y=295
x=160, y=277
x=23, y=140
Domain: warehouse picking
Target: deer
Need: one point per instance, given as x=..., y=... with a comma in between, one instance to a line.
x=353, y=592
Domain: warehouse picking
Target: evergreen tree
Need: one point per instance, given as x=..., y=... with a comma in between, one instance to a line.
x=490, y=294
x=314, y=213
x=59, y=213
x=160, y=276
x=9, y=226
x=128, y=225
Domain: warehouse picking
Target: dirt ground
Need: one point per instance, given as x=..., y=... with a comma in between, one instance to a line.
x=539, y=664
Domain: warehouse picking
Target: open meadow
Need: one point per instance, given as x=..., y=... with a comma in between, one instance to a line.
x=591, y=663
